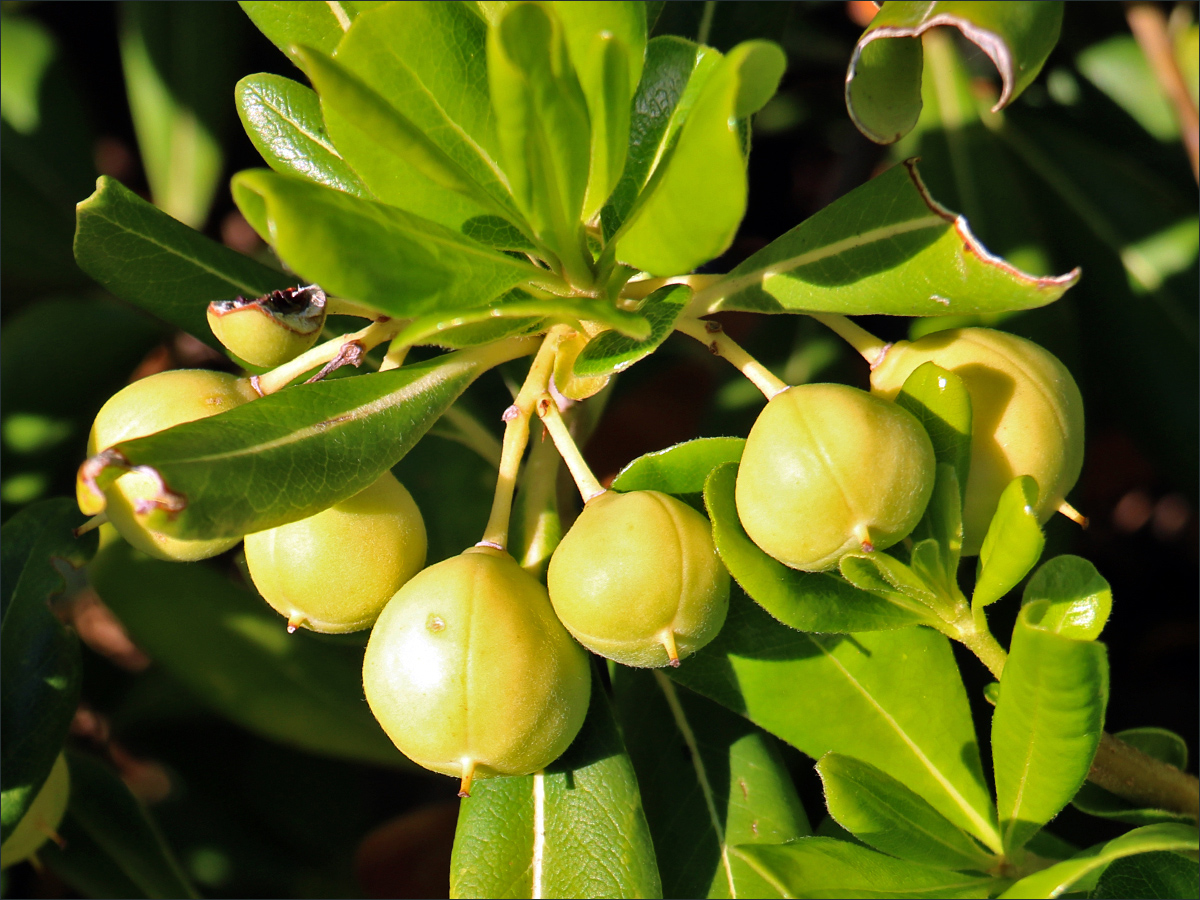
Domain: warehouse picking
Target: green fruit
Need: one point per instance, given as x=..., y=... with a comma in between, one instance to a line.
x=147, y=406
x=269, y=331
x=828, y=470
x=471, y=674
x=42, y=818
x=335, y=571
x=1027, y=416
x=637, y=579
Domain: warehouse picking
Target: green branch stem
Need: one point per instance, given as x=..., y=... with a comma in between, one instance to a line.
x=366, y=338
x=585, y=480
x=871, y=348
x=713, y=336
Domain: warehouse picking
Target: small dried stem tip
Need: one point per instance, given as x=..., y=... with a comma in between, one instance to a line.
x=1073, y=514
x=468, y=775
x=589, y=487
x=91, y=524
x=667, y=639
x=712, y=335
x=294, y=621
x=863, y=535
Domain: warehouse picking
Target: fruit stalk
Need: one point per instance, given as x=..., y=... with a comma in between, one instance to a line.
x=871, y=348
x=364, y=339
x=547, y=410
x=713, y=336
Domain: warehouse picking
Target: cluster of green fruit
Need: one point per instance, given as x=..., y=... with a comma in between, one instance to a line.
x=473, y=667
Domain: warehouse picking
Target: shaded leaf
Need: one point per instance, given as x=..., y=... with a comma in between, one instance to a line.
x=159, y=264
x=1079, y=597
x=283, y=120
x=293, y=453
x=1013, y=543
x=808, y=601
x=1047, y=723
x=1156, y=742
x=233, y=652
x=883, y=83
x=709, y=780
x=880, y=811
x=612, y=352
x=893, y=699
x=112, y=846
x=885, y=247
x=681, y=469
x=1159, y=874
x=40, y=668
x=576, y=830
x=940, y=401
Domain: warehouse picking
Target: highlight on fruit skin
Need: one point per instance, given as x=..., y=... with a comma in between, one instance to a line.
x=41, y=819
x=637, y=579
x=270, y=330
x=1027, y=416
x=145, y=407
x=333, y=572
x=471, y=674
x=829, y=470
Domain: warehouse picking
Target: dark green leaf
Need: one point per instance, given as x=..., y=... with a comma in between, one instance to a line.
x=1160, y=874
x=179, y=62
x=149, y=259
x=883, y=84
x=1156, y=742
x=821, y=867
x=893, y=699
x=696, y=198
x=1082, y=871
x=576, y=830
x=1047, y=723
x=882, y=812
x=1013, y=544
x=808, y=601
x=39, y=657
x=886, y=247
x=293, y=453
x=681, y=469
x=377, y=255
x=234, y=653
x=319, y=25
x=612, y=352
x=283, y=120
x=110, y=842
x=709, y=780
x=1080, y=599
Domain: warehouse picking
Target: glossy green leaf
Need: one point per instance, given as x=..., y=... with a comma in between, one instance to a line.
x=941, y=403
x=374, y=254
x=808, y=601
x=709, y=780
x=1047, y=723
x=283, y=120
x=674, y=72
x=1156, y=742
x=885, y=247
x=821, y=867
x=45, y=156
x=1080, y=599
x=293, y=453
x=159, y=264
x=234, y=653
x=607, y=43
x=1082, y=871
x=612, y=352
x=179, y=61
x=40, y=669
x=883, y=83
x=941, y=527
x=576, y=830
x=319, y=25
x=543, y=127
x=1013, y=544
x=899, y=577
x=880, y=811
x=681, y=469
x=1159, y=874
x=696, y=198
x=397, y=156
x=111, y=845
x=893, y=699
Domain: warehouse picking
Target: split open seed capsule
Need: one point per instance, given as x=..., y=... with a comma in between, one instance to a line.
x=637, y=579
x=829, y=470
x=470, y=673
x=269, y=331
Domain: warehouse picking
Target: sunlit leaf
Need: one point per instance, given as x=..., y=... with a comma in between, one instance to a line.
x=1013, y=544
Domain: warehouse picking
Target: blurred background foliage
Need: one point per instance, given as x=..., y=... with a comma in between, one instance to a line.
x=1085, y=169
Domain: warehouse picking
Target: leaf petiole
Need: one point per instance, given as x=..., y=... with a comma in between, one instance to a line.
x=547, y=410
x=713, y=336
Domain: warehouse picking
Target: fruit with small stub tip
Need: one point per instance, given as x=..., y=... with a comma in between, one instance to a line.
x=41, y=819
x=470, y=673
x=147, y=406
x=333, y=572
x=637, y=579
x=1026, y=410
x=271, y=330
x=830, y=470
